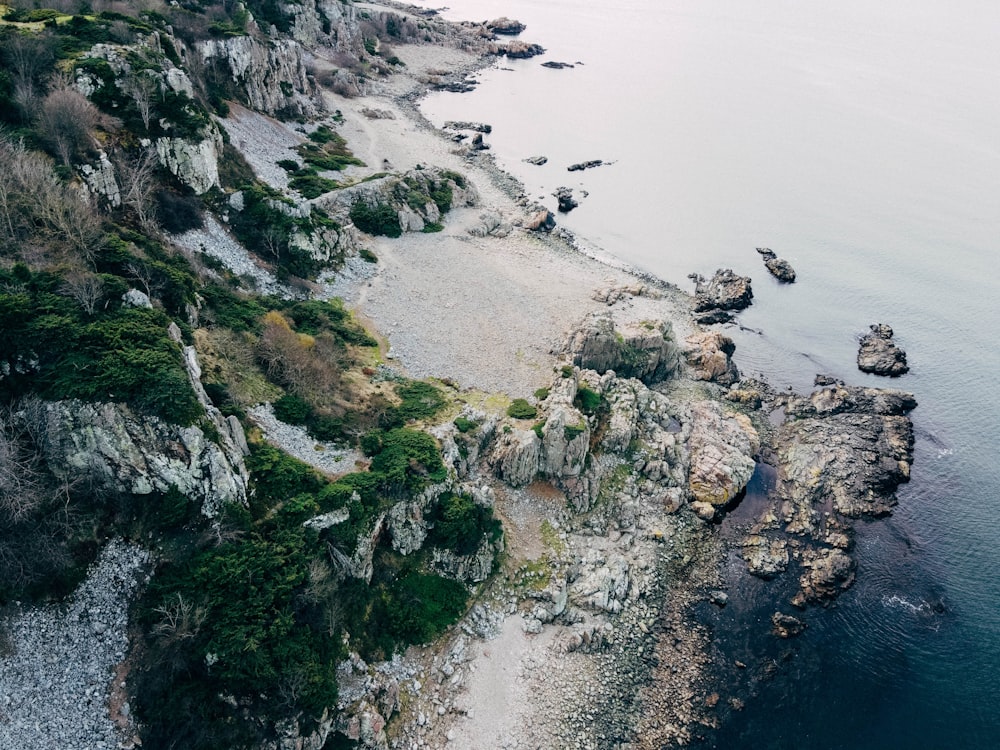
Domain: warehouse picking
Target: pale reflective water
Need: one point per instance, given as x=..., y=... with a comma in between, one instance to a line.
x=861, y=141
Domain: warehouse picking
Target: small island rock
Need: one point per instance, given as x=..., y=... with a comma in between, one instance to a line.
x=780, y=269
x=878, y=354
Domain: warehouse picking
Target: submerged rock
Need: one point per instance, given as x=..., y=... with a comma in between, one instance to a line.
x=786, y=626
x=724, y=291
x=579, y=167
x=479, y=127
x=556, y=65
x=878, y=354
x=780, y=269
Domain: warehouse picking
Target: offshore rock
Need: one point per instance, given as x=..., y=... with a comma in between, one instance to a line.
x=580, y=166
x=722, y=449
x=827, y=573
x=505, y=26
x=710, y=356
x=765, y=557
x=567, y=202
x=646, y=351
x=724, y=291
x=844, y=449
x=878, y=354
x=780, y=269
x=518, y=50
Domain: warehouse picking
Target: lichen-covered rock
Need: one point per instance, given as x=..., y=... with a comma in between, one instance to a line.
x=646, y=351
x=126, y=452
x=786, y=626
x=710, y=355
x=473, y=568
x=722, y=448
x=878, y=353
x=602, y=583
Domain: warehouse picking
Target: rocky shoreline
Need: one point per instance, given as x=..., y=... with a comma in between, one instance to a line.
x=591, y=632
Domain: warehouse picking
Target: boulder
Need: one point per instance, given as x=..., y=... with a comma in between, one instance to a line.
x=537, y=160
x=780, y=269
x=709, y=354
x=724, y=291
x=567, y=202
x=722, y=448
x=878, y=354
x=541, y=221
x=515, y=456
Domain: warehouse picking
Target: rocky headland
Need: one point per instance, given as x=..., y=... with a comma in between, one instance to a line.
x=586, y=407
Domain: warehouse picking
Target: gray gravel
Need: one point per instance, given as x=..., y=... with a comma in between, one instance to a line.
x=58, y=661
x=212, y=239
x=294, y=440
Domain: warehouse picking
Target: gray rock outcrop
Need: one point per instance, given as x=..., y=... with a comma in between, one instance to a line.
x=270, y=72
x=779, y=268
x=646, y=351
x=195, y=163
x=724, y=291
x=878, y=353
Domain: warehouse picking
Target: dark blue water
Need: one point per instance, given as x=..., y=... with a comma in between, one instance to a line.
x=861, y=141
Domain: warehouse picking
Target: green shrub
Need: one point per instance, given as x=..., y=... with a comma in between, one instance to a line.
x=312, y=185
x=460, y=524
x=292, y=409
x=521, y=409
x=587, y=400
x=407, y=460
x=572, y=431
x=432, y=227
x=367, y=255
x=538, y=428
x=464, y=425
x=419, y=400
x=379, y=220
x=542, y=393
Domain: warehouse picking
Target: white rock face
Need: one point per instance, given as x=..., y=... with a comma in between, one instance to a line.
x=195, y=163
x=272, y=73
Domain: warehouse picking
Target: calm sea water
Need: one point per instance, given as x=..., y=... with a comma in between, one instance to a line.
x=861, y=141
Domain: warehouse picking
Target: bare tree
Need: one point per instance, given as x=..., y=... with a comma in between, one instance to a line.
x=67, y=120
x=85, y=287
x=180, y=620
x=143, y=89
x=138, y=186
x=22, y=480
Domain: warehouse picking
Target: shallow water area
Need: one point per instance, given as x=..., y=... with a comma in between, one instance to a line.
x=858, y=141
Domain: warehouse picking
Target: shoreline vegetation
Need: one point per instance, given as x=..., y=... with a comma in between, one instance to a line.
x=446, y=475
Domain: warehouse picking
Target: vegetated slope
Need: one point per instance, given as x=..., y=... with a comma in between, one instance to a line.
x=111, y=142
